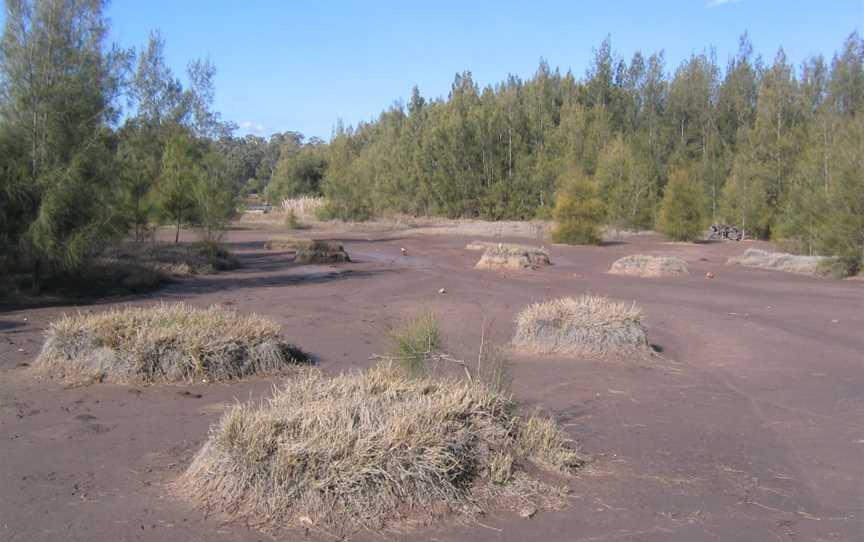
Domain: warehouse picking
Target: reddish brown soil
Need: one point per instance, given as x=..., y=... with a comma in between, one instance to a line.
x=752, y=428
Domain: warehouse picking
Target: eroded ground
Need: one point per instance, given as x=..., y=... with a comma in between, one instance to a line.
x=751, y=428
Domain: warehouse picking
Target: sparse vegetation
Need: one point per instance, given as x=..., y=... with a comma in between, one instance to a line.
x=372, y=449
x=163, y=343
x=291, y=221
x=586, y=325
x=642, y=265
x=512, y=256
x=781, y=261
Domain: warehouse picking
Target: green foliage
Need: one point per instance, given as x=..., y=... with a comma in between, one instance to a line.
x=414, y=341
x=298, y=172
x=681, y=216
x=214, y=200
x=175, y=190
x=578, y=212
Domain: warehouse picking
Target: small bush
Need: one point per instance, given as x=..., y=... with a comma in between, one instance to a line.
x=414, y=341
x=503, y=256
x=578, y=211
x=291, y=221
x=642, y=265
x=163, y=343
x=586, y=325
x=366, y=450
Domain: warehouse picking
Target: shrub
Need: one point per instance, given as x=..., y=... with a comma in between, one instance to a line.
x=642, y=265
x=163, y=343
x=586, y=325
x=681, y=216
x=414, y=341
x=365, y=450
x=513, y=257
x=578, y=211
x=291, y=221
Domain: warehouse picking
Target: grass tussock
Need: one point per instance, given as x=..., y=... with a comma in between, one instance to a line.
x=322, y=252
x=586, y=325
x=510, y=256
x=179, y=260
x=642, y=265
x=282, y=244
x=373, y=449
x=781, y=261
x=163, y=343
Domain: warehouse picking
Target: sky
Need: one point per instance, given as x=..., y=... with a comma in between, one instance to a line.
x=292, y=65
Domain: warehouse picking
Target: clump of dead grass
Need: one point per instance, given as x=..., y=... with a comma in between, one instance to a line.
x=511, y=256
x=180, y=260
x=163, y=343
x=318, y=251
x=643, y=265
x=586, y=325
x=282, y=243
x=377, y=448
x=781, y=261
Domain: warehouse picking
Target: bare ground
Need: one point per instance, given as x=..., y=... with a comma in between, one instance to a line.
x=752, y=428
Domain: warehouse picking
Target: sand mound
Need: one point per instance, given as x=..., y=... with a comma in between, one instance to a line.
x=641, y=265
x=781, y=261
x=364, y=450
x=501, y=256
x=163, y=343
x=586, y=325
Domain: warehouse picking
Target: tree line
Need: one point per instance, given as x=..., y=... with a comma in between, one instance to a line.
x=773, y=148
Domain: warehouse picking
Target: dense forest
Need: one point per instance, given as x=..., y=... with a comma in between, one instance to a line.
x=99, y=143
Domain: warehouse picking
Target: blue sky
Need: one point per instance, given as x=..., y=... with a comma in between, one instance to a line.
x=290, y=65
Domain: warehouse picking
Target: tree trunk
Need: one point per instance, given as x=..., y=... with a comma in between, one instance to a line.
x=177, y=234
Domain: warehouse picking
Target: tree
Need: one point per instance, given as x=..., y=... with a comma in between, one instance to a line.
x=59, y=85
x=578, y=211
x=214, y=200
x=181, y=173
x=681, y=216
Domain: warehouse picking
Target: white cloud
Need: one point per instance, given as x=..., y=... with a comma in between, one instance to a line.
x=718, y=3
x=250, y=126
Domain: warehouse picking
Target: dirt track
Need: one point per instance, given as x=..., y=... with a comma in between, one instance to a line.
x=752, y=429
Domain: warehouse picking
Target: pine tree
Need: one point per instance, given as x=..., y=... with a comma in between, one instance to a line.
x=578, y=211
x=681, y=216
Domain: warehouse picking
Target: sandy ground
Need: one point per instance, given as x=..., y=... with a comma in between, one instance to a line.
x=751, y=428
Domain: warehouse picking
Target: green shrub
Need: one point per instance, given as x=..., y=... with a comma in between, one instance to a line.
x=578, y=211
x=681, y=217
x=414, y=341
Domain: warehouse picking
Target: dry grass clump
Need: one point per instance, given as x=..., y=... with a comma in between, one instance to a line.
x=317, y=251
x=367, y=450
x=163, y=343
x=586, y=325
x=781, y=261
x=181, y=260
x=510, y=256
x=282, y=243
x=642, y=265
